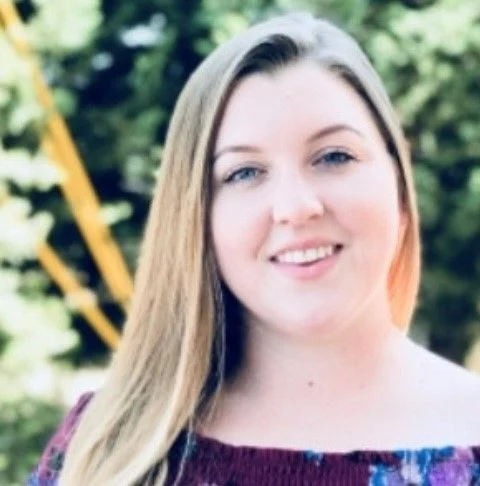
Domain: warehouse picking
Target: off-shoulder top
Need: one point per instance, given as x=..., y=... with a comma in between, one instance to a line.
x=208, y=462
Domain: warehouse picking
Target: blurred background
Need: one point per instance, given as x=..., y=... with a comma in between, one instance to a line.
x=73, y=201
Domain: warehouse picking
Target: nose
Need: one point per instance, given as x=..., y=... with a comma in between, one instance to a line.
x=295, y=201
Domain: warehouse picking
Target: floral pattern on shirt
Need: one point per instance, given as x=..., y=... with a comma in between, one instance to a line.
x=446, y=466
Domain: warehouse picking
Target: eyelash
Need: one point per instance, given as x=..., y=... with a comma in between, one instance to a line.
x=236, y=176
x=322, y=157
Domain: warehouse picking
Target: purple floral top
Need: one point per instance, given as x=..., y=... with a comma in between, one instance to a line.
x=213, y=463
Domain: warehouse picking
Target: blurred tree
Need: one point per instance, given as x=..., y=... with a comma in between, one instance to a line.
x=418, y=3
x=25, y=429
x=116, y=70
x=35, y=323
x=430, y=61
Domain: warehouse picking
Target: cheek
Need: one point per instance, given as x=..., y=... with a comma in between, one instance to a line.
x=370, y=211
x=238, y=229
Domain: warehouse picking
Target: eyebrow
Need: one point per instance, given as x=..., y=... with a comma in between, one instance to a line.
x=322, y=133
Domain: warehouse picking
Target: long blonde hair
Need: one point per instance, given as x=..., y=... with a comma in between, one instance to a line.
x=171, y=359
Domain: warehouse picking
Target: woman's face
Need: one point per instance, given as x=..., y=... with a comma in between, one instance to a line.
x=305, y=216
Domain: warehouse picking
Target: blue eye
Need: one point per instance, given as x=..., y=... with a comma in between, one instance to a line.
x=242, y=175
x=335, y=157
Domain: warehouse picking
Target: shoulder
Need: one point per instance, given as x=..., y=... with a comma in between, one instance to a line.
x=447, y=376
x=436, y=372
x=51, y=460
x=449, y=392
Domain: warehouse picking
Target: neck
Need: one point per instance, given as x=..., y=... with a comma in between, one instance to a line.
x=297, y=392
x=281, y=367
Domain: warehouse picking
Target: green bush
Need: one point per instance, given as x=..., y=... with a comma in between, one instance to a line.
x=25, y=428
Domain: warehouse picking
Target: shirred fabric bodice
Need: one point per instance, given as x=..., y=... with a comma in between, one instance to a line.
x=208, y=462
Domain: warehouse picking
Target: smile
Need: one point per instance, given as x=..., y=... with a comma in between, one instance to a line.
x=308, y=255
x=309, y=263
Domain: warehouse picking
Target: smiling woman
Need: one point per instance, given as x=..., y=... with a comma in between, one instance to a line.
x=267, y=340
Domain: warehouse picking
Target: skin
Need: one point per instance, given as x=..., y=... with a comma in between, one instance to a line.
x=287, y=192
x=299, y=162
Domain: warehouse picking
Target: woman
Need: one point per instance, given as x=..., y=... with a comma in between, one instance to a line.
x=277, y=278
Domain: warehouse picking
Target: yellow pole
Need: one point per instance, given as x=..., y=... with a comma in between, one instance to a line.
x=82, y=299
x=76, y=186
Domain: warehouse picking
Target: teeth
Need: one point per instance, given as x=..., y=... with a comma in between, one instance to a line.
x=306, y=256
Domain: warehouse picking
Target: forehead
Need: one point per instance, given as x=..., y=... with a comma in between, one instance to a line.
x=294, y=99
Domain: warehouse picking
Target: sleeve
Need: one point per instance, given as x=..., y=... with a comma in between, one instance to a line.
x=48, y=469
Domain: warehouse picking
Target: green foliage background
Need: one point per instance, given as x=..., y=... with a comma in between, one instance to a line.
x=116, y=69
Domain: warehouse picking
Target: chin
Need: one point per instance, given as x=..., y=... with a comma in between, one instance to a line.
x=306, y=326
